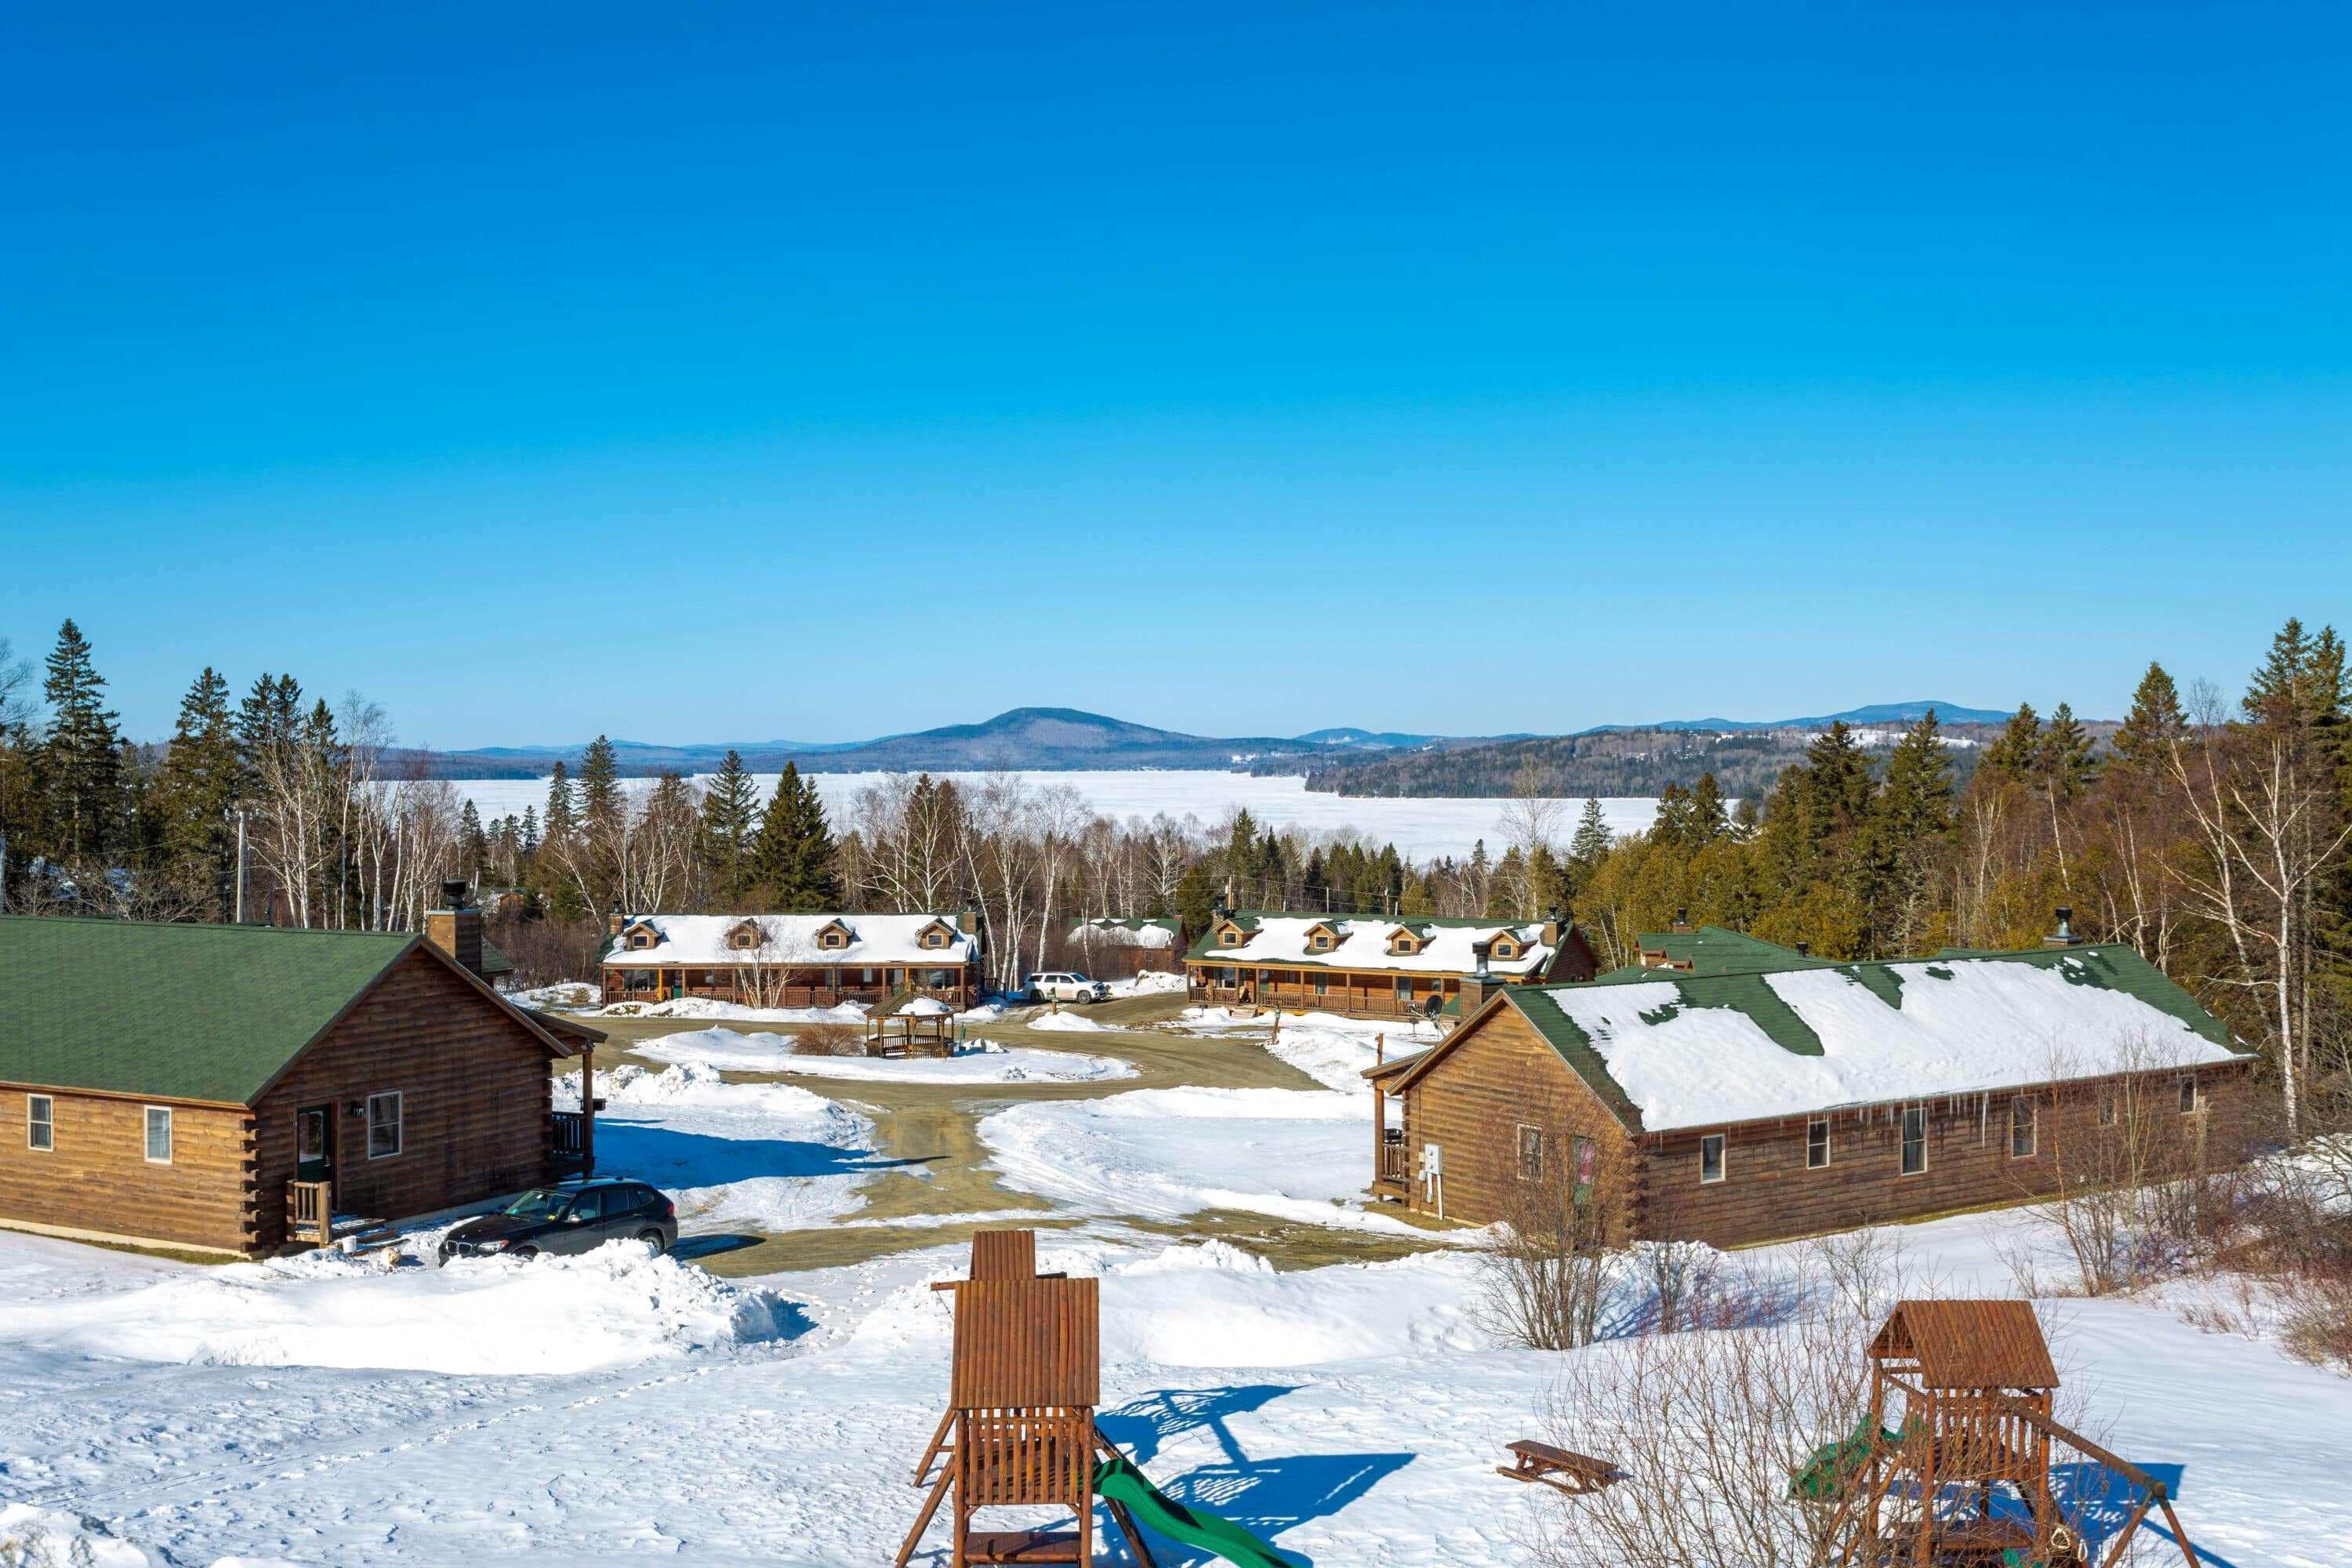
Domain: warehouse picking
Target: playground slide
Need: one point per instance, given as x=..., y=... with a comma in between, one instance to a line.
x=1122, y=1483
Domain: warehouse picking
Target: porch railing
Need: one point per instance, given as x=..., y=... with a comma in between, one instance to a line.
x=310, y=1211
x=567, y=1135
x=1396, y=1160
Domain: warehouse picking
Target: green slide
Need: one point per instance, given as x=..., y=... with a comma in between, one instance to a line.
x=1834, y=1466
x=1121, y=1482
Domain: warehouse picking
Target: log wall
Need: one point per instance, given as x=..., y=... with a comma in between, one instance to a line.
x=97, y=1180
x=475, y=1088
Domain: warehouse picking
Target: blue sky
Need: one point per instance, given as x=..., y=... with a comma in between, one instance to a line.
x=746, y=373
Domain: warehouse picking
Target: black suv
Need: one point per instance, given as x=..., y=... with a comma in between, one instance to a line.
x=576, y=1217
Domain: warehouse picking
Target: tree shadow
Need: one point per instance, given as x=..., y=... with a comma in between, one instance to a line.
x=669, y=1157
x=1264, y=1497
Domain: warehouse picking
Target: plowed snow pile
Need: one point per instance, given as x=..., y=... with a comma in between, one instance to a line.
x=616, y=1305
x=977, y=1062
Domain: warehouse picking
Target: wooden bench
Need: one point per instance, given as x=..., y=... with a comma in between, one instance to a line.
x=1576, y=1475
x=1019, y=1546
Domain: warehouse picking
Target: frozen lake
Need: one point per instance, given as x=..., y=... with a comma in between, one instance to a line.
x=1421, y=829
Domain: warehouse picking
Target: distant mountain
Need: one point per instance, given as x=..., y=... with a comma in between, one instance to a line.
x=1067, y=737
x=1876, y=713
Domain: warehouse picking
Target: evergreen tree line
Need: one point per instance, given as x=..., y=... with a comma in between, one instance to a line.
x=2209, y=835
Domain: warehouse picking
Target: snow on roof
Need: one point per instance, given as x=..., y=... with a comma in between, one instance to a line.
x=1696, y=1053
x=1364, y=944
x=1113, y=932
x=790, y=939
x=924, y=1007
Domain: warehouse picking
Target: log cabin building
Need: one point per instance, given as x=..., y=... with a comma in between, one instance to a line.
x=1376, y=965
x=229, y=1089
x=1110, y=948
x=1780, y=1098
x=793, y=960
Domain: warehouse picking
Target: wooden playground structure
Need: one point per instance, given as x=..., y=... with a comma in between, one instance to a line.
x=1960, y=1402
x=1020, y=1428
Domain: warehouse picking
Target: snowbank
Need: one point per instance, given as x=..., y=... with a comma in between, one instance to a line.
x=1330, y=1047
x=51, y=1538
x=565, y=996
x=1151, y=983
x=982, y=1062
x=1065, y=1023
x=711, y=1007
x=1168, y=1153
x=1214, y=1304
x=613, y=1306
x=764, y=1156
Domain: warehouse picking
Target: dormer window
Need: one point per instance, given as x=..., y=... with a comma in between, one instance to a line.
x=1404, y=943
x=641, y=939
x=1506, y=948
x=1231, y=936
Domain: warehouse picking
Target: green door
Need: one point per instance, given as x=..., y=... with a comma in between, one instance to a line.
x=314, y=1143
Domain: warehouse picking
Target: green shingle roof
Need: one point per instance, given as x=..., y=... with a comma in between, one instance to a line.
x=1715, y=950
x=2113, y=966
x=178, y=1012
x=1206, y=947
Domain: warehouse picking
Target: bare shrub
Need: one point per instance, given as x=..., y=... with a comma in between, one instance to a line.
x=829, y=1040
x=2317, y=1327
x=1709, y=1425
x=548, y=952
x=2130, y=1192
x=1543, y=1279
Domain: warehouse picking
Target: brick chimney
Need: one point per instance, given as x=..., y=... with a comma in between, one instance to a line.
x=455, y=928
x=615, y=921
x=967, y=921
x=1682, y=919
x=1555, y=925
x=2064, y=936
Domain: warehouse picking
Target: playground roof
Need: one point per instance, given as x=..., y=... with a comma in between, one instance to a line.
x=1025, y=1343
x=1969, y=1344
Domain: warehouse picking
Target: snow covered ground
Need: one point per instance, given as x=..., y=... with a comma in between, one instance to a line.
x=1295, y=1154
x=981, y=1062
x=711, y=1008
x=1330, y=1047
x=1353, y=1414
x=766, y=1156
x=1419, y=828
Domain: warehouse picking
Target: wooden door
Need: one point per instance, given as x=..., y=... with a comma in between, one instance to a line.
x=314, y=1143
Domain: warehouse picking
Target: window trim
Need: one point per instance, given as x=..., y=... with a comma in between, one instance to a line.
x=1903, y=1142
x=2192, y=1098
x=47, y=1122
x=2032, y=1128
x=1722, y=1142
x=1520, y=1150
x=399, y=1124
x=1828, y=1154
x=147, y=1126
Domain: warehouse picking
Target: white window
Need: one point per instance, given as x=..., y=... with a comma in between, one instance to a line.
x=1915, y=1139
x=1710, y=1157
x=384, y=1125
x=1817, y=1143
x=159, y=1134
x=2021, y=1127
x=40, y=1121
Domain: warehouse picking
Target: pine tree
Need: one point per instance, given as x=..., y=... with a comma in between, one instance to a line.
x=2155, y=722
x=559, y=826
x=729, y=809
x=1592, y=838
x=2012, y=752
x=600, y=792
x=1706, y=809
x=1676, y=825
x=792, y=858
x=82, y=763
x=528, y=840
x=196, y=792
x=2065, y=758
x=1242, y=868
x=473, y=844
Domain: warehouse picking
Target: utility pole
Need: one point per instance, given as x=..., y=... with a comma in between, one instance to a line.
x=240, y=864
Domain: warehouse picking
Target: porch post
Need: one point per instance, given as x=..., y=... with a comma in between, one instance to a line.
x=588, y=1110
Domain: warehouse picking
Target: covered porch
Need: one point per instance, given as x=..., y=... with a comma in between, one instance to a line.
x=813, y=986
x=1392, y=1144
x=1308, y=990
